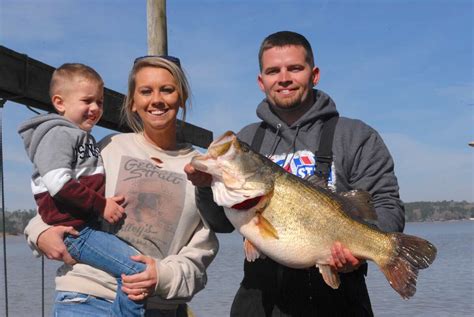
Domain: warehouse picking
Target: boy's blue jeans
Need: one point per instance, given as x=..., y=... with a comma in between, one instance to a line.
x=106, y=252
x=71, y=304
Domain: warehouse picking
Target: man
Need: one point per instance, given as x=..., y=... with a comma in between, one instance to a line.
x=293, y=115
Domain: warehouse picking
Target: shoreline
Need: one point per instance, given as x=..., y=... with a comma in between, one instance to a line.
x=406, y=222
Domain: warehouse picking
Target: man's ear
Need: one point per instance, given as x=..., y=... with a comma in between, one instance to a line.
x=58, y=103
x=260, y=82
x=316, y=75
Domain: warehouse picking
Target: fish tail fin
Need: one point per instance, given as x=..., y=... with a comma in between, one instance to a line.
x=410, y=255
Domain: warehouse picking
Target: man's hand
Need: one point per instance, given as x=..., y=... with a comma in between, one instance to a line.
x=113, y=212
x=51, y=243
x=342, y=259
x=198, y=178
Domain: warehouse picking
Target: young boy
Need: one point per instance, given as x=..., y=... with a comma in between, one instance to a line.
x=68, y=180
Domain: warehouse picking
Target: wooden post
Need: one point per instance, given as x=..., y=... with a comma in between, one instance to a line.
x=156, y=27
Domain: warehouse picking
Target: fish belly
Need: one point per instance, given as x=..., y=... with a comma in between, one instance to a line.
x=286, y=249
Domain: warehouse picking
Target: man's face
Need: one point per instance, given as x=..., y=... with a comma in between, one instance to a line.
x=286, y=77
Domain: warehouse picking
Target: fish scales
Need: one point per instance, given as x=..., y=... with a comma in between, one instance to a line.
x=300, y=212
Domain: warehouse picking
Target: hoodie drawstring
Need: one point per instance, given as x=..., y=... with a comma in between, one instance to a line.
x=291, y=148
x=275, y=141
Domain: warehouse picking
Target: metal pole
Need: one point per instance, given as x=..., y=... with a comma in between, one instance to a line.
x=2, y=102
x=42, y=286
x=156, y=27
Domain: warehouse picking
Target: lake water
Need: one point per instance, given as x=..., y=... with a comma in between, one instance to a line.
x=444, y=289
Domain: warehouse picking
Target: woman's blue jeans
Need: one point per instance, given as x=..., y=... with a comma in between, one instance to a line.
x=107, y=252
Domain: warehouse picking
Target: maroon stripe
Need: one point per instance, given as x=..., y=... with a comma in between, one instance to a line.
x=54, y=213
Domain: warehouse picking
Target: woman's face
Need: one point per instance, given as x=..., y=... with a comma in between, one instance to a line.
x=156, y=99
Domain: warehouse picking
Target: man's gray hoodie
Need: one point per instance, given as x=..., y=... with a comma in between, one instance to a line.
x=360, y=158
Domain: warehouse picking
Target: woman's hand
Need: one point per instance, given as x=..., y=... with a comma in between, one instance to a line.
x=198, y=178
x=51, y=243
x=140, y=286
x=342, y=259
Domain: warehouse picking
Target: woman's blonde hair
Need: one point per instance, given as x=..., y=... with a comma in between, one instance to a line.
x=131, y=118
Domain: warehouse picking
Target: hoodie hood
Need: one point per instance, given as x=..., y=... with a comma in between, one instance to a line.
x=34, y=129
x=322, y=109
x=301, y=134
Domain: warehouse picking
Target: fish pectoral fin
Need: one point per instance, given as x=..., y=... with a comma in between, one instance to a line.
x=329, y=275
x=266, y=228
x=251, y=252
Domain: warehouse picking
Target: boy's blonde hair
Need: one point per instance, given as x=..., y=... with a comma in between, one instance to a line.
x=132, y=118
x=67, y=72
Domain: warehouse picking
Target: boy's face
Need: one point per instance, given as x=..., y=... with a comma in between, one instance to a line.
x=81, y=102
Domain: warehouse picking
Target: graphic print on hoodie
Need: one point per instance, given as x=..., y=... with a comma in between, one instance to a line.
x=155, y=202
x=293, y=147
x=301, y=163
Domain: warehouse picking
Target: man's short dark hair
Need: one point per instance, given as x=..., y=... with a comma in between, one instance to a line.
x=286, y=38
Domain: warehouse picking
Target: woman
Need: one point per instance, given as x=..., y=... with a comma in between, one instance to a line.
x=162, y=219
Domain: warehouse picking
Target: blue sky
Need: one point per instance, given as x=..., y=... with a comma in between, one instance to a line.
x=403, y=67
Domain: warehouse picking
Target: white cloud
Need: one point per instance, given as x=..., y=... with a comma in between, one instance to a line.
x=220, y=114
x=462, y=93
x=431, y=173
x=18, y=191
x=20, y=20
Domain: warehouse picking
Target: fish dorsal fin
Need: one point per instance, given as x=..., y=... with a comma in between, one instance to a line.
x=359, y=205
x=266, y=228
x=329, y=276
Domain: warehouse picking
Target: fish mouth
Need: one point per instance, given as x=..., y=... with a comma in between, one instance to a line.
x=223, y=144
x=233, y=173
x=222, y=160
x=217, y=148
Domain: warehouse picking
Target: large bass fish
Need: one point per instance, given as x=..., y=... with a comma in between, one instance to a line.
x=296, y=223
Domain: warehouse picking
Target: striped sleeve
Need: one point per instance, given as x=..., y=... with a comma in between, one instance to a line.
x=77, y=184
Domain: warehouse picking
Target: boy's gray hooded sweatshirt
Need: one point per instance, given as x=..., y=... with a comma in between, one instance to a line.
x=68, y=180
x=360, y=158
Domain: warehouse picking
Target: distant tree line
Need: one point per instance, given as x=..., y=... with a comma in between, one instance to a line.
x=16, y=221
x=438, y=211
